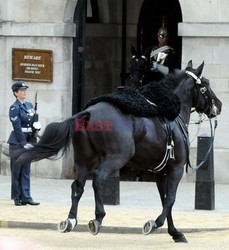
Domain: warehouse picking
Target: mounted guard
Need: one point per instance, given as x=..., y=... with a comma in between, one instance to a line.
x=162, y=56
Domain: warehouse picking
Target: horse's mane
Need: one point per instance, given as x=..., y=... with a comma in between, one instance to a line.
x=173, y=79
x=170, y=82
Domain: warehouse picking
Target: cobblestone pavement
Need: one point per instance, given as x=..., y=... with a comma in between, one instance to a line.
x=30, y=239
x=139, y=202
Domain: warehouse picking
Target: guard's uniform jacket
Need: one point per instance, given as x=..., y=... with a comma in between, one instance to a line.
x=163, y=57
x=21, y=117
x=166, y=58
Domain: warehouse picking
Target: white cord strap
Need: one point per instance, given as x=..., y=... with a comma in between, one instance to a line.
x=198, y=79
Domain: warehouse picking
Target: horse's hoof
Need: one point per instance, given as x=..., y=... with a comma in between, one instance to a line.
x=149, y=227
x=66, y=226
x=181, y=238
x=93, y=227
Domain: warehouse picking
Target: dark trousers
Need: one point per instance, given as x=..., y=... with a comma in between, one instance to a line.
x=20, y=180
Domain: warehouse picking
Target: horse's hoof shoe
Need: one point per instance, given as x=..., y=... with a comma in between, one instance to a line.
x=65, y=226
x=149, y=227
x=93, y=227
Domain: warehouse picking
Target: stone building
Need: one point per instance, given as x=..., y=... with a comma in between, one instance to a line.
x=90, y=48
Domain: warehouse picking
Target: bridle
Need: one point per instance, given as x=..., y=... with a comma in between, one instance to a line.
x=210, y=101
x=207, y=95
x=141, y=72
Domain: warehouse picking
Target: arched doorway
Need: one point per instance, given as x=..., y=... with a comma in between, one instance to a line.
x=152, y=15
x=96, y=53
x=155, y=13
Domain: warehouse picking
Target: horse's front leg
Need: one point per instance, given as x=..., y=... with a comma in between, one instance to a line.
x=177, y=235
x=77, y=191
x=174, y=176
x=161, y=181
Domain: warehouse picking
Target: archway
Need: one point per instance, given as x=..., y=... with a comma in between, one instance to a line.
x=152, y=15
x=155, y=13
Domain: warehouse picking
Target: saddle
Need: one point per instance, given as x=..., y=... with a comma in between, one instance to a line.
x=153, y=99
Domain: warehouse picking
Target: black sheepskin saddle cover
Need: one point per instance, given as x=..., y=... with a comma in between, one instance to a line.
x=153, y=99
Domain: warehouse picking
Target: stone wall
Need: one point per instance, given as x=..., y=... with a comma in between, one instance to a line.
x=38, y=25
x=205, y=37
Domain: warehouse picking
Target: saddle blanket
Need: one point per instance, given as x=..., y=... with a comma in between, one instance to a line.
x=153, y=99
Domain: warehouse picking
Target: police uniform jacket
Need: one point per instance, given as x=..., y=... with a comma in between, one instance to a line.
x=21, y=118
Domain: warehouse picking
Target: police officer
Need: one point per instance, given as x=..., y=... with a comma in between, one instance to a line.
x=162, y=56
x=21, y=116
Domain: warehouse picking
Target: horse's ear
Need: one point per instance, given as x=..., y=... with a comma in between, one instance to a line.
x=200, y=69
x=147, y=51
x=133, y=50
x=189, y=64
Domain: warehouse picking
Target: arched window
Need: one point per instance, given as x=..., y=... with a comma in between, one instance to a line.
x=92, y=11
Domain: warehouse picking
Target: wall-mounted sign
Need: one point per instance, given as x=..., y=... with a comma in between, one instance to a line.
x=32, y=65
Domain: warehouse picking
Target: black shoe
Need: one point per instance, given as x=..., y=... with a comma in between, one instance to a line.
x=32, y=203
x=17, y=203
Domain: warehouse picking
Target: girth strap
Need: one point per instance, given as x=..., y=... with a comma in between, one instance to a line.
x=184, y=131
x=169, y=154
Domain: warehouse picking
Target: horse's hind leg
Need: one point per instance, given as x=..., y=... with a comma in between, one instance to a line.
x=109, y=166
x=77, y=191
x=161, y=181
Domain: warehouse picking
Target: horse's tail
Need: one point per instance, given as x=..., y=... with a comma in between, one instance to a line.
x=54, y=142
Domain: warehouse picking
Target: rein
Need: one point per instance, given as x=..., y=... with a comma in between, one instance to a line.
x=184, y=129
x=209, y=150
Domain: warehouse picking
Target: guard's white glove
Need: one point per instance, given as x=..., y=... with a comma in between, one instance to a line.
x=28, y=146
x=154, y=66
x=37, y=125
x=157, y=67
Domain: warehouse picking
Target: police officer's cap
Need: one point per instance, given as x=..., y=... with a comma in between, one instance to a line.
x=18, y=85
x=162, y=32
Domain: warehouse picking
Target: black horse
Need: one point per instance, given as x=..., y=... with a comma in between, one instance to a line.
x=102, y=150
x=140, y=72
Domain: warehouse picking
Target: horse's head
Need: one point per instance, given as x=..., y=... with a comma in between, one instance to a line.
x=138, y=66
x=205, y=100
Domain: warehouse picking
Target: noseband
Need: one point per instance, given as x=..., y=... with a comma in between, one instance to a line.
x=206, y=93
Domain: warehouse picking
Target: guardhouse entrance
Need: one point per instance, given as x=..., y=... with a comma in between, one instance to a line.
x=155, y=14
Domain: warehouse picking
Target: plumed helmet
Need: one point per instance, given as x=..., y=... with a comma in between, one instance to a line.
x=162, y=32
